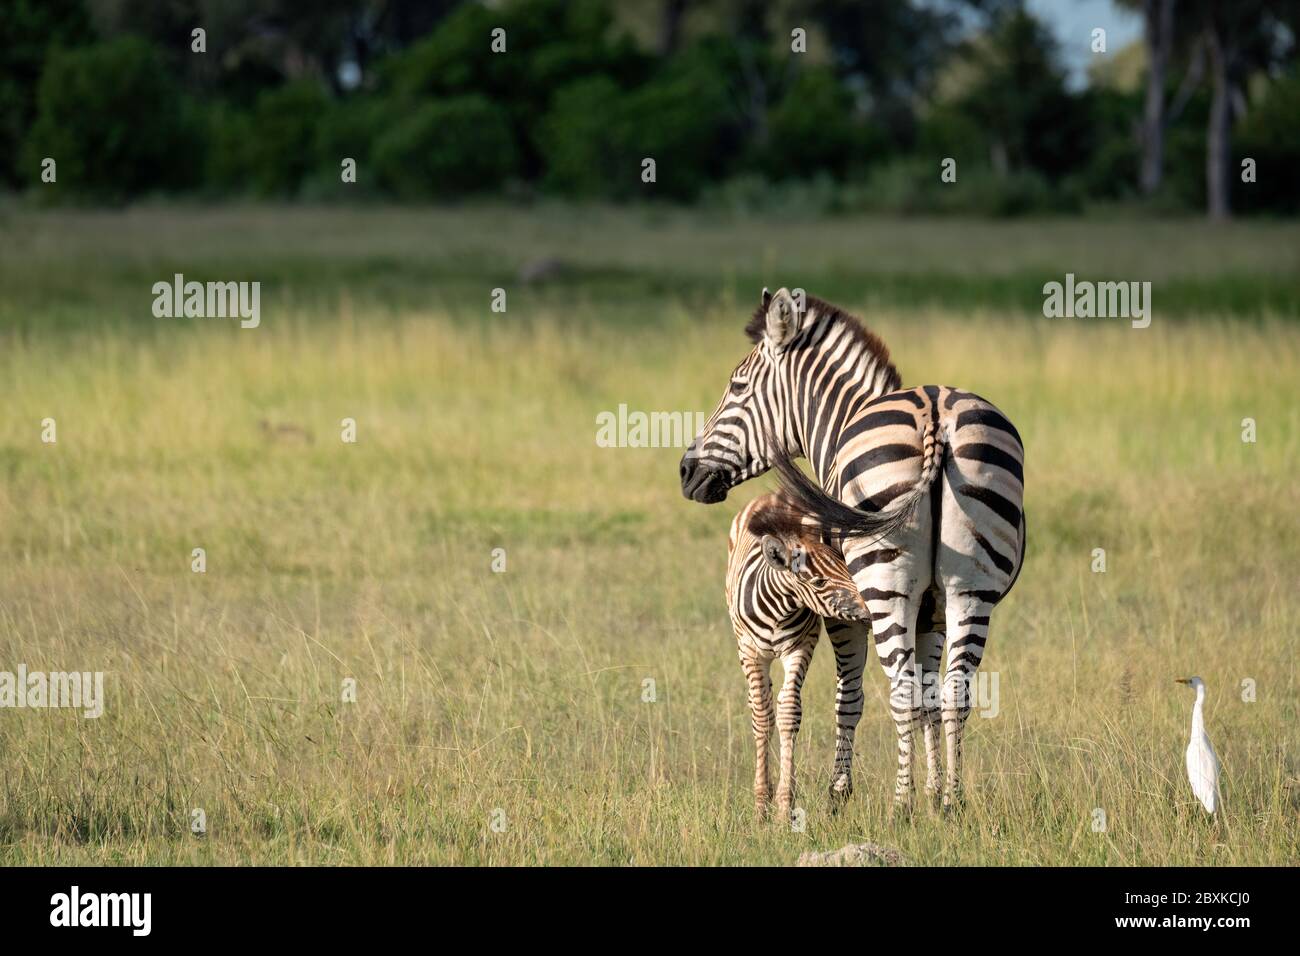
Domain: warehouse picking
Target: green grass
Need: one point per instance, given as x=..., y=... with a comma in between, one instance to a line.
x=325, y=260
x=523, y=690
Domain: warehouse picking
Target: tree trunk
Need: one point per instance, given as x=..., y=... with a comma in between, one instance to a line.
x=1218, y=133
x=670, y=26
x=1191, y=80
x=1159, y=28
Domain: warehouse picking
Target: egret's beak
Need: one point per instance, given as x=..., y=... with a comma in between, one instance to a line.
x=1182, y=680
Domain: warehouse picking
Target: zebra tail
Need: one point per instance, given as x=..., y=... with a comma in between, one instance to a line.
x=834, y=517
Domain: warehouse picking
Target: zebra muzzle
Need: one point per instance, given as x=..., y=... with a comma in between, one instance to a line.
x=705, y=485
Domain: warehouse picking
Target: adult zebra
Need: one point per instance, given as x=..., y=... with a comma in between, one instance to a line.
x=923, y=488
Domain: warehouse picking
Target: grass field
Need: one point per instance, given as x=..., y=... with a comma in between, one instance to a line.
x=520, y=694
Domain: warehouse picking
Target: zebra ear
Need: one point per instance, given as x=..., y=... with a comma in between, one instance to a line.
x=782, y=319
x=775, y=553
x=767, y=297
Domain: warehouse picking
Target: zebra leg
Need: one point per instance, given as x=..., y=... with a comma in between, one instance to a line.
x=929, y=653
x=760, y=711
x=788, y=717
x=968, y=623
x=850, y=643
x=893, y=615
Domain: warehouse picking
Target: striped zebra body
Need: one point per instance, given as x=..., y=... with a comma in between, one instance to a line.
x=922, y=486
x=954, y=464
x=781, y=589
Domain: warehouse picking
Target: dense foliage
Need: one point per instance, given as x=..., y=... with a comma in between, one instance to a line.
x=429, y=107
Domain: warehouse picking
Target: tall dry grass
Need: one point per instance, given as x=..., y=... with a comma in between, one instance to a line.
x=520, y=693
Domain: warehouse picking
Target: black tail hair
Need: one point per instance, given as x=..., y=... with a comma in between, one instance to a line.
x=832, y=516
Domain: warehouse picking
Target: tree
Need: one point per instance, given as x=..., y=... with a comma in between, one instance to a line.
x=1015, y=93
x=1241, y=37
x=113, y=117
x=1158, y=24
x=892, y=49
x=670, y=26
x=29, y=31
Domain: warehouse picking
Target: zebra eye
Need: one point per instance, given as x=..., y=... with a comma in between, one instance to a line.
x=819, y=582
x=738, y=385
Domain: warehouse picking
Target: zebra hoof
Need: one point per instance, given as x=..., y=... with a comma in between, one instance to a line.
x=839, y=797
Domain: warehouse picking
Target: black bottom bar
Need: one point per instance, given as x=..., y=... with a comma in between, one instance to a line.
x=335, y=905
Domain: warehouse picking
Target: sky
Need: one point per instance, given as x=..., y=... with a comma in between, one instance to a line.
x=1072, y=22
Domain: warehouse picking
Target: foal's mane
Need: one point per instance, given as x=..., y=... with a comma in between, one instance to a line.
x=783, y=518
x=776, y=521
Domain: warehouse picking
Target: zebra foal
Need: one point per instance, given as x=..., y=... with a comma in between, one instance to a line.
x=781, y=587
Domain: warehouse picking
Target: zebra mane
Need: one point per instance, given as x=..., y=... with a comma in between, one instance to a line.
x=833, y=315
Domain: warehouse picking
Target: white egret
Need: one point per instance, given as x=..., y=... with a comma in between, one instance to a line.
x=1202, y=764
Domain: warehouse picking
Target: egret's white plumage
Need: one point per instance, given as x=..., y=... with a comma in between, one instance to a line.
x=1202, y=764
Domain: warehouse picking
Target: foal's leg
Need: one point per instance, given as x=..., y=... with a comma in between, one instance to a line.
x=788, y=716
x=849, y=640
x=760, y=711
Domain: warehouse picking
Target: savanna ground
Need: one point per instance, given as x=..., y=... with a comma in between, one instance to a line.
x=522, y=691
